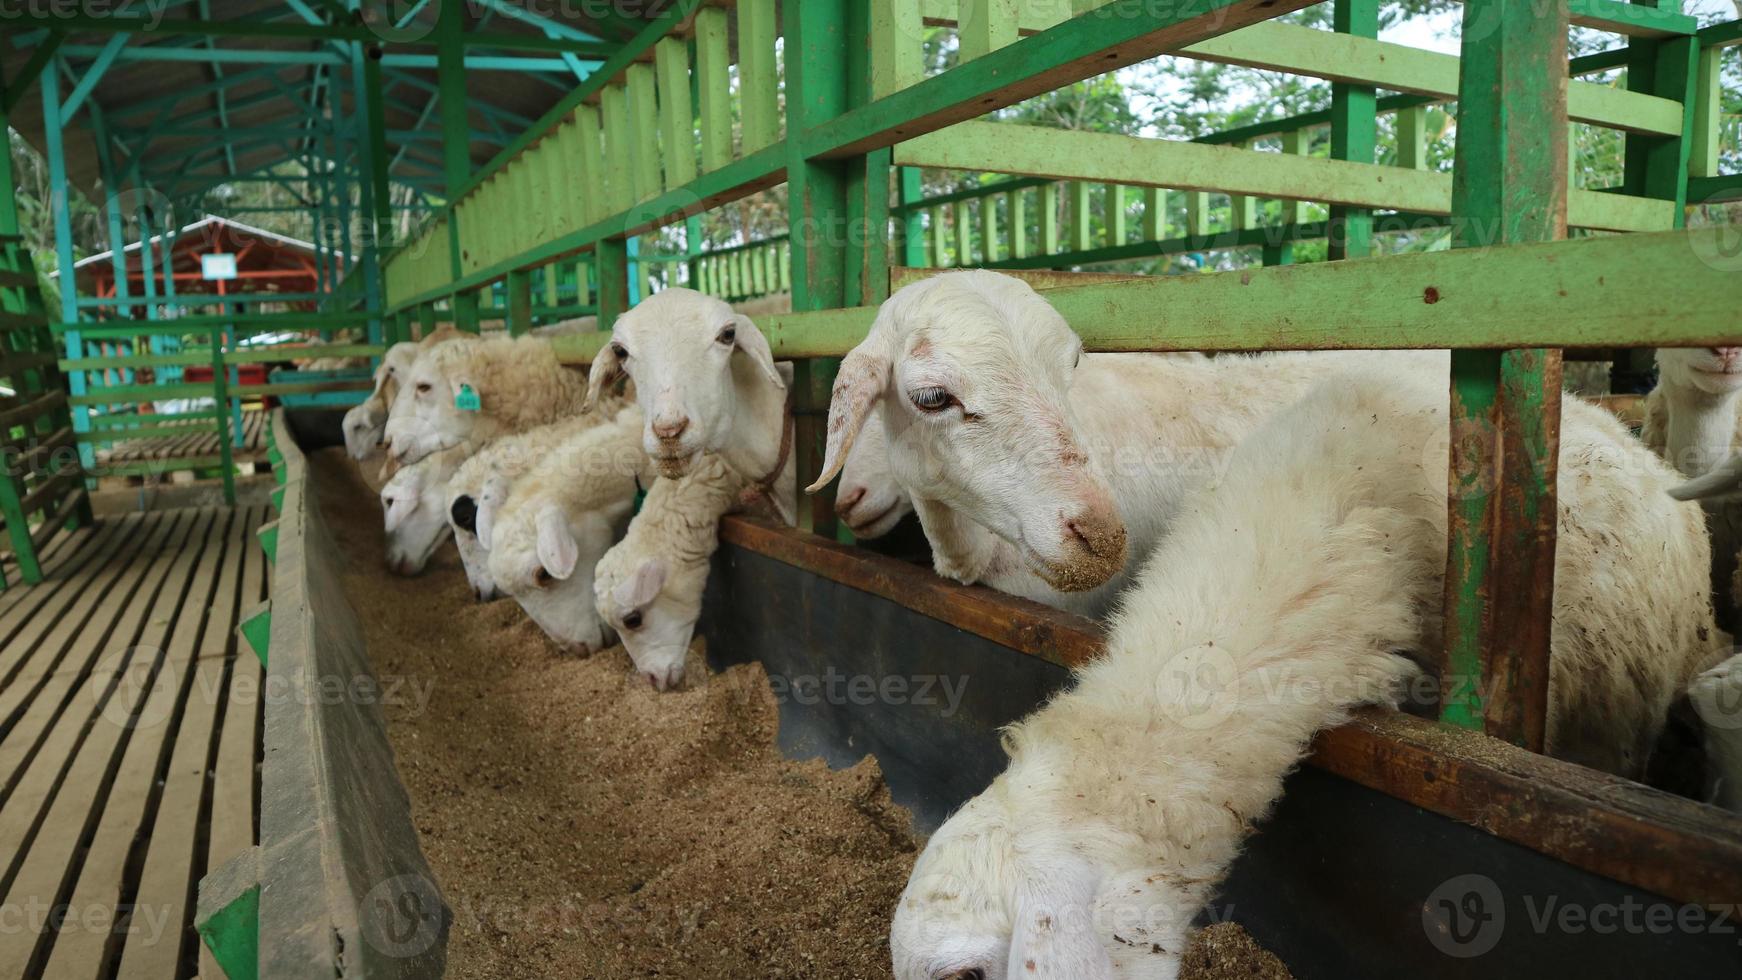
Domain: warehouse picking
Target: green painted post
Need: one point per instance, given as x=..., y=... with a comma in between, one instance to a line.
x=1018, y=208
x=1082, y=234
x=1354, y=131
x=456, y=143
x=838, y=210
x=377, y=201
x=1115, y=214
x=1657, y=166
x=519, y=302
x=1509, y=186
x=1049, y=218
x=613, y=269
x=911, y=189
x=221, y=401
x=426, y=319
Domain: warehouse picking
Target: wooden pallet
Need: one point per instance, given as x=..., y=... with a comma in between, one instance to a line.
x=201, y=441
x=129, y=734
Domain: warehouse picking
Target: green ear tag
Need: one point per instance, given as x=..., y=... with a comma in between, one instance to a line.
x=467, y=399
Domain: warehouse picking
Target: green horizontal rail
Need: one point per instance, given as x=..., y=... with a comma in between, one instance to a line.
x=119, y=421
x=111, y=436
x=257, y=322
x=158, y=466
x=1677, y=288
x=248, y=355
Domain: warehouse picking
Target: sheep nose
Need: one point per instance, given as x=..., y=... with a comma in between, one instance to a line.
x=845, y=503
x=670, y=430
x=1726, y=353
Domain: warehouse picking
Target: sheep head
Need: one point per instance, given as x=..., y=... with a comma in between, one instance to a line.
x=543, y=555
x=689, y=355
x=970, y=373
x=1711, y=370
x=870, y=501
x=413, y=517
x=653, y=609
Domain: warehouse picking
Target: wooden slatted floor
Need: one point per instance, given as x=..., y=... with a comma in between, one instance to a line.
x=201, y=441
x=129, y=730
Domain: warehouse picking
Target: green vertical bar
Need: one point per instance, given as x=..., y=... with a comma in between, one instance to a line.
x=911, y=189
x=614, y=120
x=897, y=45
x=1018, y=208
x=1115, y=214
x=1154, y=214
x=713, y=62
x=1197, y=213
x=456, y=141
x=221, y=400
x=964, y=235
x=17, y=528
x=1657, y=166
x=757, y=79
x=426, y=318
x=984, y=26
x=612, y=259
x=676, y=113
x=1354, y=130
x=519, y=302
x=1082, y=228
x=940, y=239
x=989, y=228
x=1508, y=186
x=1049, y=218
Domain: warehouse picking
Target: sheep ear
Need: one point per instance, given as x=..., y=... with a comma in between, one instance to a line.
x=863, y=375
x=641, y=588
x=1724, y=480
x=755, y=346
x=1054, y=934
x=464, y=513
x=557, y=550
x=605, y=369
x=490, y=500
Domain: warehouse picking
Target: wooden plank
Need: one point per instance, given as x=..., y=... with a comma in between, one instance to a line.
x=68, y=604
x=54, y=860
x=18, y=606
x=1147, y=162
x=171, y=858
x=713, y=92
x=643, y=133
x=103, y=879
x=1601, y=823
x=31, y=410
x=676, y=113
x=897, y=45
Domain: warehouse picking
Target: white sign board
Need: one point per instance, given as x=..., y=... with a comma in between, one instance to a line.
x=219, y=265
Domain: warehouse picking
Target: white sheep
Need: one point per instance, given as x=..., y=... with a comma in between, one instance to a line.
x=871, y=502
x=478, y=391
x=1277, y=602
x=556, y=521
x=648, y=587
x=970, y=371
x=1028, y=463
x=1691, y=416
x=706, y=381
x=365, y=424
x=414, y=509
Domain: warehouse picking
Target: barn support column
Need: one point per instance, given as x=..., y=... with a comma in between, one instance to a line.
x=838, y=212
x=63, y=249
x=456, y=143
x=1508, y=187
x=1354, y=132
x=370, y=122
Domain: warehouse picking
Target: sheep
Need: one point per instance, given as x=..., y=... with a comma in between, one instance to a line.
x=648, y=587
x=1691, y=416
x=478, y=391
x=871, y=502
x=1283, y=596
x=365, y=424
x=413, y=508
x=706, y=382
x=1716, y=696
x=969, y=454
x=1035, y=461
x=555, y=523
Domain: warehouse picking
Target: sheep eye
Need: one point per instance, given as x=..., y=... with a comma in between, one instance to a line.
x=632, y=621
x=931, y=399
x=423, y=387
x=972, y=974
x=543, y=578
x=618, y=351
x=728, y=335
